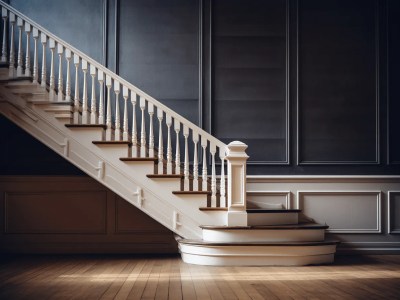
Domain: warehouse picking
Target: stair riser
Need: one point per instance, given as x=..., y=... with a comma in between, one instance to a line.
x=260, y=235
x=87, y=135
x=257, y=255
x=114, y=150
x=141, y=167
x=254, y=219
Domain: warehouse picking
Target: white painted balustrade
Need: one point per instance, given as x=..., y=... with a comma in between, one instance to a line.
x=187, y=147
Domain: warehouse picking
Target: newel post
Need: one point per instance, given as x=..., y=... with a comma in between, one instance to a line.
x=236, y=158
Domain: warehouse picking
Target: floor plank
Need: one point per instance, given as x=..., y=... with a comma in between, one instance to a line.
x=151, y=277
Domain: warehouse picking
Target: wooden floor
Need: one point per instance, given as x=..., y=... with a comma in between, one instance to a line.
x=127, y=277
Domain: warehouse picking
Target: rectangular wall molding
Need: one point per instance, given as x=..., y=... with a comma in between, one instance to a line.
x=393, y=212
x=343, y=211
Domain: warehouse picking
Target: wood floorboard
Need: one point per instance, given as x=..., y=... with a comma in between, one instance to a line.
x=151, y=277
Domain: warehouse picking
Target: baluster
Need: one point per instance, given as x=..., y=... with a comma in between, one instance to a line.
x=213, y=176
x=143, y=129
x=85, y=110
x=43, y=39
x=4, y=46
x=168, y=120
x=28, y=50
x=204, y=170
x=108, y=116
x=150, y=109
x=160, y=115
x=117, y=131
x=52, y=46
x=68, y=56
x=177, y=149
x=35, y=34
x=11, y=70
x=125, y=94
x=76, y=97
x=134, y=126
x=20, y=72
x=93, y=108
x=222, y=189
x=186, y=182
x=60, y=51
x=195, y=137
x=100, y=78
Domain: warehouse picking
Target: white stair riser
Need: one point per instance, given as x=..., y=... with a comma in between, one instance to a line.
x=260, y=235
x=144, y=167
x=257, y=261
x=254, y=219
x=87, y=135
x=117, y=151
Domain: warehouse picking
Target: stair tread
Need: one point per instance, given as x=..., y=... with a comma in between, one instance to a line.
x=155, y=159
x=191, y=192
x=86, y=126
x=164, y=176
x=206, y=243
x=213, y=208
x=264, y=227
x=112, y=143
x=260, y=210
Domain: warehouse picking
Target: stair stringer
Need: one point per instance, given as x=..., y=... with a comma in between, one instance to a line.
x=173, y=212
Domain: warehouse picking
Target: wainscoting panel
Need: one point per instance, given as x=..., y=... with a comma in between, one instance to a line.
x=344, y=211
x=74, y=215
x=394, y=211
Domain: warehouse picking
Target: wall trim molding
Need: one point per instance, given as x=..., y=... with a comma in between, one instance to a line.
x=378, y=194
x=391, y=229
x=377, y=161
x=323, y=178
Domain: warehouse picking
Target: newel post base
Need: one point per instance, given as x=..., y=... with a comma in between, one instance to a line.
x=236, y=158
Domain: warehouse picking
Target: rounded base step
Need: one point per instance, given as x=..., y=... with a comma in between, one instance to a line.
x=299, y=254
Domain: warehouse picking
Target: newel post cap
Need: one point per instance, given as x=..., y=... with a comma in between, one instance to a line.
x=237, y=149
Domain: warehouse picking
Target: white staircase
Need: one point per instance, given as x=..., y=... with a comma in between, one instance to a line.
x=146, y=153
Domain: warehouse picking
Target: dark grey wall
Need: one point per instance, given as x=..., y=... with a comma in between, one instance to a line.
x=310, y=86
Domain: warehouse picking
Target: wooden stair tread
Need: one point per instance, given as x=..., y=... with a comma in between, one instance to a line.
x=238, y=244
x=213, y=208
x=191, y=192
x=154, y=159
x=112, y=143
x=260, y=210
x=266, y=227
x=86, y=126
x=179, y=176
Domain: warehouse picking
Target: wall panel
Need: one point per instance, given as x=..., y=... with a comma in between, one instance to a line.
x=338, y=119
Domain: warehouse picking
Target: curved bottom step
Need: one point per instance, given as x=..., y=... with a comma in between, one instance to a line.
x=257, y=254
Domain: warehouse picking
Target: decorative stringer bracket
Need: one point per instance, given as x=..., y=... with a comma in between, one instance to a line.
x=175, y=220
x=140, y=198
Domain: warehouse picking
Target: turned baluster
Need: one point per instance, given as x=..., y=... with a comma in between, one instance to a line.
x=28, y=29
x=177, y=127
x=143, y=129
x=134, y=126
x=213, y=176
x=100, y=78
x=4, y=45
x=85, y=110
x=76, y=97
x=204, y=170
x=222, y=189
x=11, y=68
x=186, y=182
x=160, y=115
x=68, y=56
x=195, y=137
x=20, y=72
x=52, y=46
x=108, y=115
x=117, y=126
x=35, y=34
x=60, y=51
x=93, y=107
x=168, y=120
x=125, y=95
x=150, y=109
x=43, y=39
